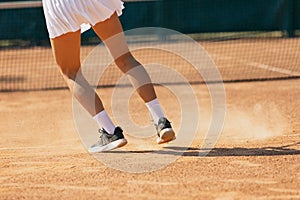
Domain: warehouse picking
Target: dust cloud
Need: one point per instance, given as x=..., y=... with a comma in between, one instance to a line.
x=260, y=121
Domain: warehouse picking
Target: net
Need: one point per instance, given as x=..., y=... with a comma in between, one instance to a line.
x=244, y=48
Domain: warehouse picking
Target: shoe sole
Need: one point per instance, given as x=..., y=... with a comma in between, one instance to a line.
x=166, y=135
x=113, y=145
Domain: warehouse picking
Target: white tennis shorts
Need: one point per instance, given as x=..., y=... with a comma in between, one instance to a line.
x=63, y=16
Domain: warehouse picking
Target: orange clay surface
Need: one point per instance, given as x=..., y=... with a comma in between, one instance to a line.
x=256, y=157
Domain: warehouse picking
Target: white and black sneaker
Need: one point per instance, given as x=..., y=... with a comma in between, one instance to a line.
x=164, y=131
x=108, y=141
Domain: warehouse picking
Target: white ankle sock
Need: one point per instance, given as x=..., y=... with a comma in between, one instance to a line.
x=155, y=110
x=105, y=122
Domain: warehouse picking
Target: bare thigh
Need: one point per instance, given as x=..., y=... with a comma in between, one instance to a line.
x=66, y=50
x=111, y=33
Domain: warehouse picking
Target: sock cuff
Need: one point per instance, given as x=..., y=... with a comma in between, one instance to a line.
x=155, y=110
x=100, y=114
x=153, y=102
x=104, y=121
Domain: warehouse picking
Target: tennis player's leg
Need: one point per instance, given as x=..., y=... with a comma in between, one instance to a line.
x=111, y=33
x=66, y=50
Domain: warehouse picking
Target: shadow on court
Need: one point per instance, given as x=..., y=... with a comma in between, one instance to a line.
x=220, y=152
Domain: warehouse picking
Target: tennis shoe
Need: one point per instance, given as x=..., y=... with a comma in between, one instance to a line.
x=108, y=141
x=164, y=131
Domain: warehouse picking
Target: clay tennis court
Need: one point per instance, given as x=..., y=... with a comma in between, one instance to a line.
x=256, y=157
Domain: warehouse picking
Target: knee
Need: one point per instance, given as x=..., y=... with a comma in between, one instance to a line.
x=126, y=62
x=69, y=71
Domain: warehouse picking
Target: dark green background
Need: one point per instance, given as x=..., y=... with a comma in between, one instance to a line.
x=186, y=16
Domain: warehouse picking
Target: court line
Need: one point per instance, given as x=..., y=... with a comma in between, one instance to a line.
x=52, y=146
x=46, y=146
x=21, y=148
x=258, y=65
x=273, y=69
x=54, y=186
x=55, y=146
x=292, y=135
x=151, y=182
x=280, y=197
x=283, y=190
x=35, y=147
x=266, y=182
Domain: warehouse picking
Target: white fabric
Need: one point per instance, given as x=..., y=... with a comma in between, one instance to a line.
x=155, y=110
x=105, y=122
x=63, y=16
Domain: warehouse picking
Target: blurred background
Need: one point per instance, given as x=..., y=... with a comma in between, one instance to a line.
x=248, y=40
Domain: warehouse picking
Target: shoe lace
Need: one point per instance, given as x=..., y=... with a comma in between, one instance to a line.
x=101, y=136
